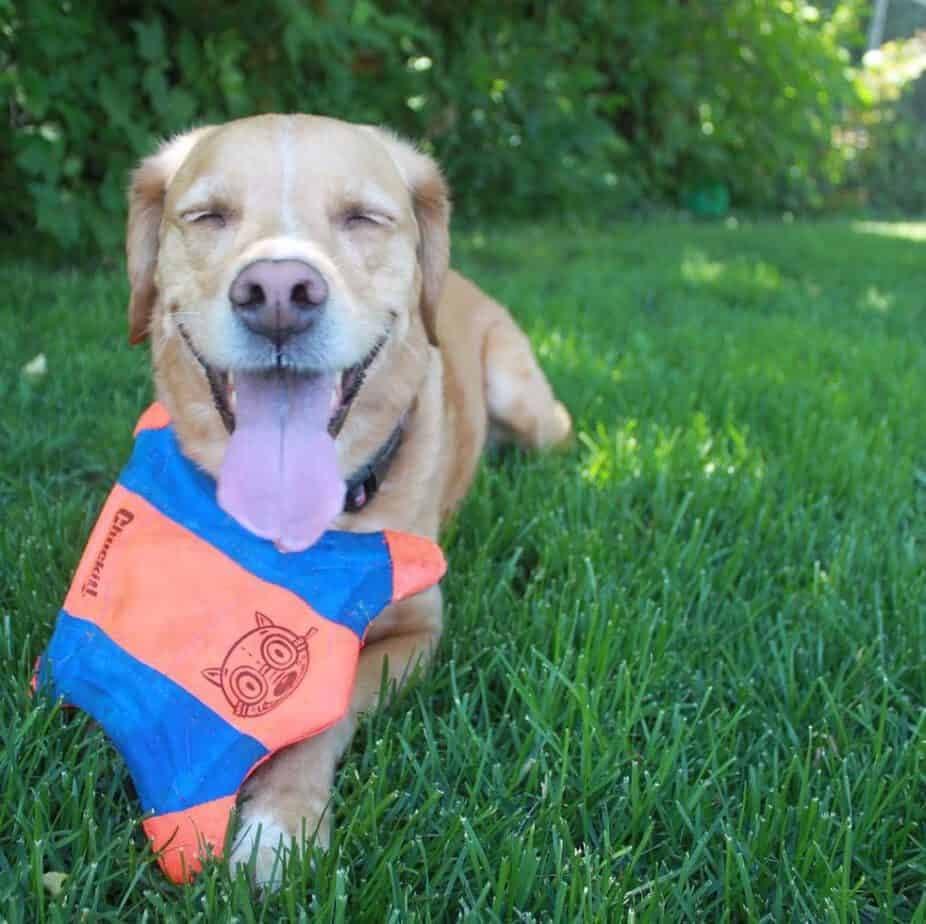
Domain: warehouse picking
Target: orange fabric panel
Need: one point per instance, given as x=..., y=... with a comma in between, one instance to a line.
x=413, y=560
x=181, y=838
x=238, y=644
x=154, y=418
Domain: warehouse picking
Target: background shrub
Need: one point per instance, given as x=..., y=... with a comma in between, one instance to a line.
x=886, y=134
x=587, y=107
x=743, y=93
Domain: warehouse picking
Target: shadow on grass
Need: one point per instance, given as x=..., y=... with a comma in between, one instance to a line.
x=729, y=364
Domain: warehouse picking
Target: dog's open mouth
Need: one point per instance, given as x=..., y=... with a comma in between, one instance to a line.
x=280, y=477
x=344, y=390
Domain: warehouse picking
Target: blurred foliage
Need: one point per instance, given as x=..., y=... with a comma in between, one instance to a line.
x=885, y=135
x=584, y=107
x=739, y=92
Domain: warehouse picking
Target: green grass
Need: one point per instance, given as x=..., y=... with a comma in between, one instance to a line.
x=685, y=668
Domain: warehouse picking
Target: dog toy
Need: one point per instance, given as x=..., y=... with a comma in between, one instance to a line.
x=201, y=649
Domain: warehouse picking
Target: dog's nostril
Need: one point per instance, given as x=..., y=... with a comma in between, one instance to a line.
x=247, y=295
x=255, y=296
x=309, y=292
x=300, y=296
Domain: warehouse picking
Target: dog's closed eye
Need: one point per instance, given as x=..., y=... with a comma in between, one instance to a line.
x=209, y=217
x=358, y=217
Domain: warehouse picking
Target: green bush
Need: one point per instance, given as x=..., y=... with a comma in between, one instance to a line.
x=572, y=106
x=743, y=93
x=886, y=136
x=93, y=89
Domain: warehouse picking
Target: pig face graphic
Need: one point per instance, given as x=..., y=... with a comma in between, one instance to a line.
x=262, y=668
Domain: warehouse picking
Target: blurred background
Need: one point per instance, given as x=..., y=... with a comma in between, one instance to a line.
x=592, y=111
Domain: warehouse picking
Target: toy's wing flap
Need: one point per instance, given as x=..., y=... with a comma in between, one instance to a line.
x=417, y=564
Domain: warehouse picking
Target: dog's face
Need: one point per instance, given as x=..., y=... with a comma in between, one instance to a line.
x=314, y=191
x=273, y=258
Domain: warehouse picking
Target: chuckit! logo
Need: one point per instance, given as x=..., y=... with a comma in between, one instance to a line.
x=91, y=585
x=262, y=668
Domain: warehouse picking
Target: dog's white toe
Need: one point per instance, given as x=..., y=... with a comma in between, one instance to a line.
x=261, y=848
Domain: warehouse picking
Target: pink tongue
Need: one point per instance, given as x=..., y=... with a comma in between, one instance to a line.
x=280, y=475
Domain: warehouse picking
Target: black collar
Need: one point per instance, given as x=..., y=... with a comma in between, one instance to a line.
x=363, y=484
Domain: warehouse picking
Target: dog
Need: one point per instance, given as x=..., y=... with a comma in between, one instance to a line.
x=298, y=265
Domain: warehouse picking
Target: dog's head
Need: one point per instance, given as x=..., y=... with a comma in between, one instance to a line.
x=271, y=261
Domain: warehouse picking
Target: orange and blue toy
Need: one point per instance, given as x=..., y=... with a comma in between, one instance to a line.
x=201, y=649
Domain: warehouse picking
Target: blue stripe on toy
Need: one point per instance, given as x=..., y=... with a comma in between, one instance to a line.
x=346, y=577
x=178, y=751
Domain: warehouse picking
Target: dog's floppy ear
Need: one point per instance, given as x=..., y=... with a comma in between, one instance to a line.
x=146, y=204
x=431, y=199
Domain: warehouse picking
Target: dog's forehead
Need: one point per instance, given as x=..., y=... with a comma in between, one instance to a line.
x=311, y=154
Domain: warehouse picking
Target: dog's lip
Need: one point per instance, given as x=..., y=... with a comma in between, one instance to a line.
x=343, y=391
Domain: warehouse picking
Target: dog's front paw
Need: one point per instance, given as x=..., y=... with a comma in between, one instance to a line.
x=263, y=844
x=260, y=848
x=558, y=431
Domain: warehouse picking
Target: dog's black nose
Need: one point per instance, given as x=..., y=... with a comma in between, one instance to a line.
x=278, y=298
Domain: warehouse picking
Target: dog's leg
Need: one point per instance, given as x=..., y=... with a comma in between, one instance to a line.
x=288, y=798
x=519, y=398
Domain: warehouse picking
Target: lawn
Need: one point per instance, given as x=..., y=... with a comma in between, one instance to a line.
x=685, y=668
